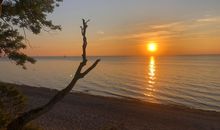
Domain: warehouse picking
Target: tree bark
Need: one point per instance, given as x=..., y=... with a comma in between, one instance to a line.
x=20, y=122
x=1, y=7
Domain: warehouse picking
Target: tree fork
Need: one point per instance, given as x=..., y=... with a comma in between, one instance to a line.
x=20, y=122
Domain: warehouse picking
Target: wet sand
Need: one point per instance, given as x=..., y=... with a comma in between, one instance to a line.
x=80, y=111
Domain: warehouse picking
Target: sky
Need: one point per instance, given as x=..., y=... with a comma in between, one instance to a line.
x=123, y=28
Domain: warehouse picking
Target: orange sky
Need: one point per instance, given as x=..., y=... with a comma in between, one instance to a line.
x=178, y=27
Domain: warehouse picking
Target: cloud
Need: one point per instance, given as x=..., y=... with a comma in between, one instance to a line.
x=100, y=32
x=140, y=35
x=149, y=34
x=164, y=26
x=183, y=29
x=208, y=20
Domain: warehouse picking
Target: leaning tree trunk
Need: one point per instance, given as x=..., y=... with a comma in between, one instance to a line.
x=1, y=7
x=20, y=122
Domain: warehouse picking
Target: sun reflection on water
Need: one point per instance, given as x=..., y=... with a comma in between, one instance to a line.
x=152, y=69
x=151, y=77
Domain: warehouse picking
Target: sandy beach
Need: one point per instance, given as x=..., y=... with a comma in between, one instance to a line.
x=86, y=112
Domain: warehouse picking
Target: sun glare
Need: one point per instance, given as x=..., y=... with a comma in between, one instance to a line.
x=152, y=47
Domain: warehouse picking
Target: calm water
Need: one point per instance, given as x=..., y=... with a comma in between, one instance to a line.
x=193, y=81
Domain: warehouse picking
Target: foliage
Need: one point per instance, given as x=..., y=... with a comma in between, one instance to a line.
x=23, y=14
x=12, y=103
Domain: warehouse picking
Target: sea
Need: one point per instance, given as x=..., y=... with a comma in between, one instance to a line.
x=191, y=81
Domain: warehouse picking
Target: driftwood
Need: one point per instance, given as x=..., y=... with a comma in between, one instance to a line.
x=20, y=122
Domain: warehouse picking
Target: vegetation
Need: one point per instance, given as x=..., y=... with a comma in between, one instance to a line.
x=20, y=15
x=17, y=16
x=12, y=104
x=30, y=15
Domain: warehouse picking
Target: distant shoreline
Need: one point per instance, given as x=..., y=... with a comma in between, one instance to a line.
x=66, y=56
x=83, y=111
x=123, y=56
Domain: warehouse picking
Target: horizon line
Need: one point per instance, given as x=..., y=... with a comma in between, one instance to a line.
x=125, y=55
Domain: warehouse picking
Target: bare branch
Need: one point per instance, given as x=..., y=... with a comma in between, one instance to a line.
x=90, y=68
x=83, y=30
x=21, y=121
x=0, y=10
x=87, y=21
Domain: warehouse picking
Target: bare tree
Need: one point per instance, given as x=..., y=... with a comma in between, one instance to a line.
x=21, y=121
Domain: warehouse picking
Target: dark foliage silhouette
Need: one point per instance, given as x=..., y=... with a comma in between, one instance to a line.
x=23, y=15
x=12, y=103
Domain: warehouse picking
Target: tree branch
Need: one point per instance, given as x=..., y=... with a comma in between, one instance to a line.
x=1, y=7
x=20, y=122
x=90, y=68
x=83, y=31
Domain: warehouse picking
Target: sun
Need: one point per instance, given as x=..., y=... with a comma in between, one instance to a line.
x=152, y=47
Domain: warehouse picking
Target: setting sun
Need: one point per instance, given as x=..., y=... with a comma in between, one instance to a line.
x=152, y=47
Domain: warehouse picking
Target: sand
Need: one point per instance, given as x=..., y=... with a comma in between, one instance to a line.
x=80, y=111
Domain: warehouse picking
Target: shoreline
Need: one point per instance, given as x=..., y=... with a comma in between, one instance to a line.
x=85, y=111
